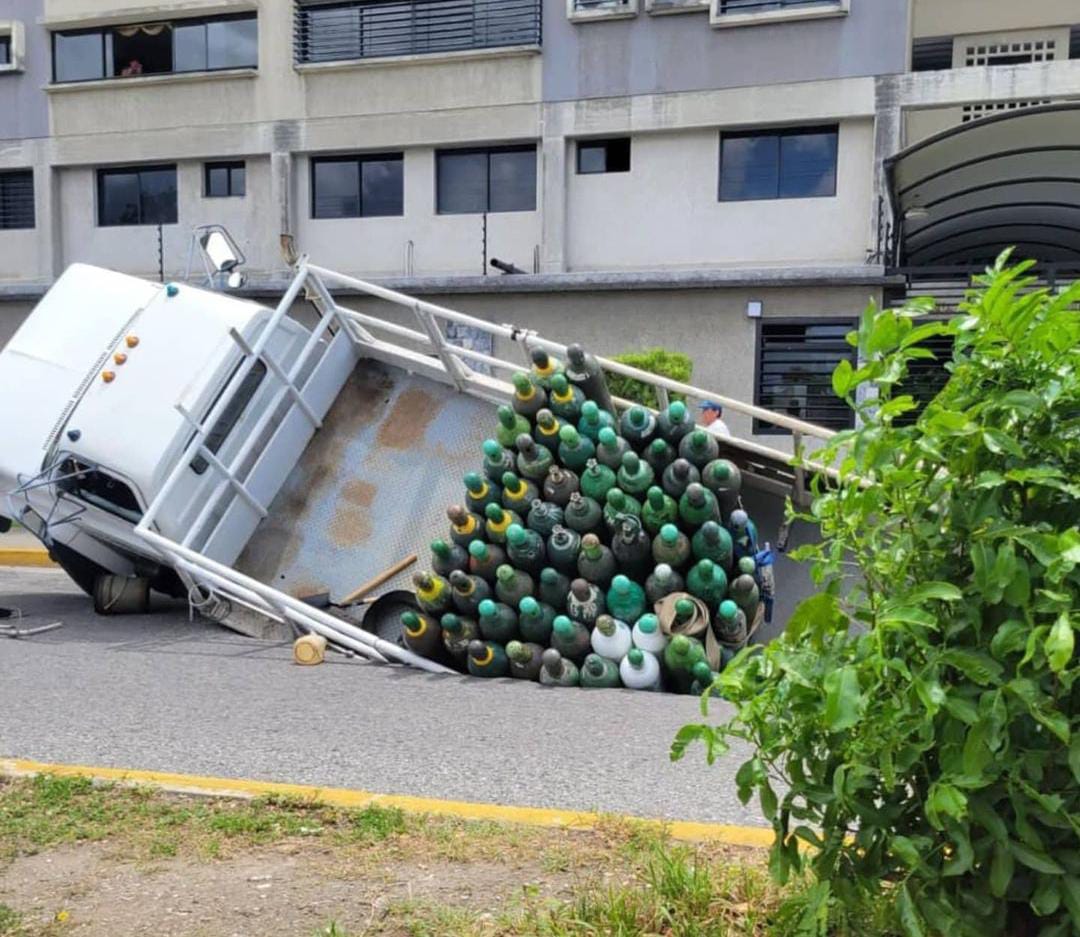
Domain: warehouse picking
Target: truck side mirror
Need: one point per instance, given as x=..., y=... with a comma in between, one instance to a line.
x=221, y=251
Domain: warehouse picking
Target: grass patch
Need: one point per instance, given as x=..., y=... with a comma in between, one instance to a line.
x=10, y=920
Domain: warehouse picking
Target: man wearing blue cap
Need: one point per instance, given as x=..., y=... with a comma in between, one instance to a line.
x=711, y=413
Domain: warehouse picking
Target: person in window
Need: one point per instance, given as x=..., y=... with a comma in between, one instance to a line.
x=711, y=418
x=134, y=67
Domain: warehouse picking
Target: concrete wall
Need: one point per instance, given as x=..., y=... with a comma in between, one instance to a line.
x=682, y=52
x=666, y=212
x=961, y=17
x=23, y=107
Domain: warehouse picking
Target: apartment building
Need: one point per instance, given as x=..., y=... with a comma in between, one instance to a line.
x=716, y=176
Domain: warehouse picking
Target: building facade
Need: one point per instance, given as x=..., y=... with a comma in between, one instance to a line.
x=703, y=176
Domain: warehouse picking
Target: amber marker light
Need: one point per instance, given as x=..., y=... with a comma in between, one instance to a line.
x=108, y=376
x=132, y=341
x=119, y=357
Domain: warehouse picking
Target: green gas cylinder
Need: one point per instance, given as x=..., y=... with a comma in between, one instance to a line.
x=625, y=599
x=570, y=638
x=480, y=492
x=563, y=547
x=699, y=448
x=610, y=448
x=707, y=581
x=678, y=477
x=559, y=485
x=553, y=589
x=674, y=422
x=497, y=461
x=662, y=581
x=712, y=542
x=544, y=367
x=535, y=619
x=659, y=454
x=565, y=399
x=583, y=370
x=485, y=559
x=487, y=659
x=498, y=522
x=680, y=656
x=468, y=592
x=671, y=546
x=724, y=480
x=517, y=493
x=528, y=397
x=511, y=425
x=457, y=632
x=632, y=548
x=638, y=426
x=524, y=660
x=599, y=673
x=446, y=557
x=744, y=592
x=497, y=621
x=546, y=431
x=657, y=510
x=432, y=592
x=597, y=480
x=595, y=562
x=555, y=670
x=634, y=476
x=526, y=549
x=465, y=527
x=575, y=450
x=533, y=461
x=704, y=678
x=512, y=585
x=544, y=517
x=585, y=602
x=421, y=634
x=619, y=505
x=697, y=505
x=729, y=623
x=583, y=514
x=593, y=419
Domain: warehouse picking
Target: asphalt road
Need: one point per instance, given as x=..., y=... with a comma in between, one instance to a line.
x=160, y=693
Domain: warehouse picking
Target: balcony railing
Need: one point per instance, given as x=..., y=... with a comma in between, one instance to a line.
x=380, y=28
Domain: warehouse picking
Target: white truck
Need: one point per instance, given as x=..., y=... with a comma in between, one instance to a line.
x=211, y=447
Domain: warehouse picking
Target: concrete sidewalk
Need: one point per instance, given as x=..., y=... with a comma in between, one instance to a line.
x=18, y=547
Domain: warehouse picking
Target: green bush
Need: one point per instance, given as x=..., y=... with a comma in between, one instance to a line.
x=662, y=361
x=918, y=724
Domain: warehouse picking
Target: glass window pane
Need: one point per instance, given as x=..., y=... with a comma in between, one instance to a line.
x=232, y=43
x=5, y=50
x=591, y=157
x=390, y=29
x=383, y=187
x=190, y=47
x=118, y=198
x=462, y=182
x=157, y=196
x=238, y=180
x=78, y=57
x=142, y=49
x=336, y=185
x=749, y=167
x=217, y=181
x=808, y=165
x=513, y=181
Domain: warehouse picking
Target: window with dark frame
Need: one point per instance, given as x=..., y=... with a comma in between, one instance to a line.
x=371, y=185
x=100, y=489
x=795, y=362
x=599, y=156
x=172, y=47
x=230, y=416
x=222, y=180
x=486, y=179
x=761, y=6
x=796, y=162
x=137, y=195
x=5, y=50
x=16, y=199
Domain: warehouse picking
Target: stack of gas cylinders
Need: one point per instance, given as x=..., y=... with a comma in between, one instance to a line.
x=593, y=548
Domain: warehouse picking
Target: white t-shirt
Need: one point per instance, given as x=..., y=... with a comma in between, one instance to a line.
x=719, y=428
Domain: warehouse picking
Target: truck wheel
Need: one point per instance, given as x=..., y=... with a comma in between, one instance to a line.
x=83, y=572
x=121, y=595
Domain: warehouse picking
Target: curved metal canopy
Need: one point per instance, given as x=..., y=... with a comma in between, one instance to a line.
x=965, y=194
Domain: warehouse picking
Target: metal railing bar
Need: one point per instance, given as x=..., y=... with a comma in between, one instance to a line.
x=279, y=372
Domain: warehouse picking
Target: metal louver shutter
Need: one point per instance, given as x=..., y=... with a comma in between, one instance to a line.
x=17, y=199
x=926, y=376
x=795, y=363
x=932, y=53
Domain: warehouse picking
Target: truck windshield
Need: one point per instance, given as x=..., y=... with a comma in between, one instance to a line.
x=100, y=489
x=230, y=416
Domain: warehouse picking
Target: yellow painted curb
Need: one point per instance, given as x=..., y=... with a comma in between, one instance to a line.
x=20, y=556
x=345, y=797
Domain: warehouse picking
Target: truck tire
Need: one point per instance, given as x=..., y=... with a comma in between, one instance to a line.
x=83, y=572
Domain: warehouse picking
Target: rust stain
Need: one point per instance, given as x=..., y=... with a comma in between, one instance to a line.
x=349, y=527
x=409, y=419
x=359, y=493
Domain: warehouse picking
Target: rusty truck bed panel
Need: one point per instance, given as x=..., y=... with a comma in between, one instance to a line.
x=372, y=486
